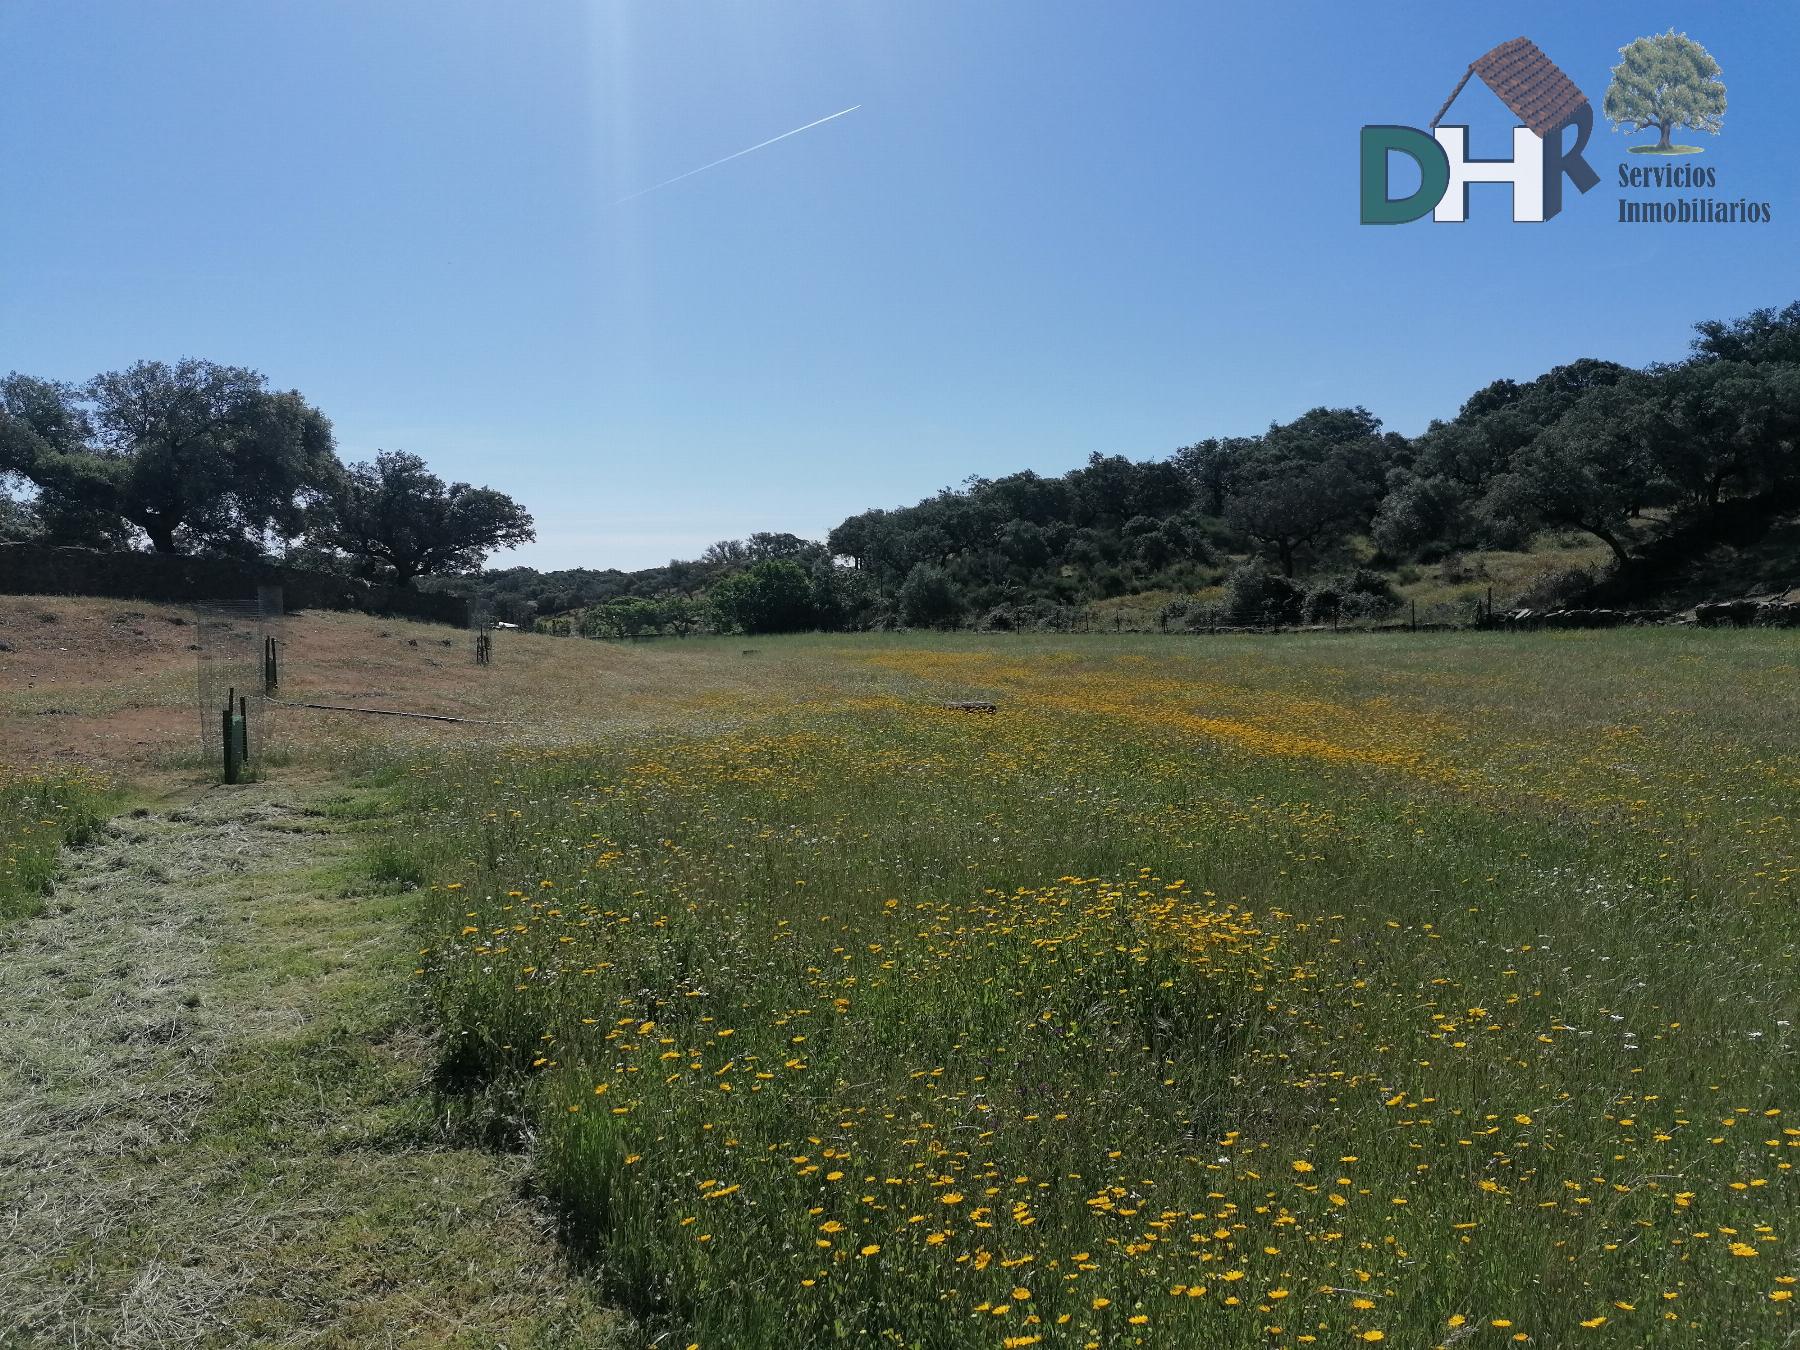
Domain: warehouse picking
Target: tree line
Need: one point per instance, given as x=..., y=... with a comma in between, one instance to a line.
x=197, y=457
x=1325, y=506
x=1305, y=520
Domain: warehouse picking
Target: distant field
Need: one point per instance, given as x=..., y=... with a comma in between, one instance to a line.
x=1211, y=993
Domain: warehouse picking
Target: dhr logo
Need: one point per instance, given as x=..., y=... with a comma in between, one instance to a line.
x=1544, y=99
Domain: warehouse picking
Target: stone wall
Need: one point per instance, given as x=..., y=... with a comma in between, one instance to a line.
x=34, y=569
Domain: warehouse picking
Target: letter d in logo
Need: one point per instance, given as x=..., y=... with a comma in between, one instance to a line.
x=1434, y=174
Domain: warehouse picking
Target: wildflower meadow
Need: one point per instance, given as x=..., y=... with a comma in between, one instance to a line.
x=1245, y=992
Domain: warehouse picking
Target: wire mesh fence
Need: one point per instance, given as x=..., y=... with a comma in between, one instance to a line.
x=238, y=641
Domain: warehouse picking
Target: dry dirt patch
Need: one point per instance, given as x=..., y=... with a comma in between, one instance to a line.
x=113, y=684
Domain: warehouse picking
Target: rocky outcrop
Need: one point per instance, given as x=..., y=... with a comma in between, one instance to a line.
x=1576, y=618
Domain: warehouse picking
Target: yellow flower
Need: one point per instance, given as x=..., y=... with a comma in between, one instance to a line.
x=1593, y=1322
x=870, y=1250
x=1102, y=1303
x=1301, y=1165
x=1373, y=1335
x=1457, y=1319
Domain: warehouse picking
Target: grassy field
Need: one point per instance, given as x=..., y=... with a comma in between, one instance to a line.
x=1328, y=989
x=1211, y=993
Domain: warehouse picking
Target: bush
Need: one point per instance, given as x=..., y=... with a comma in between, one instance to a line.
x=1109, y=582
x=1204, y=614
x=1350, y=597
x=1255, y=595
x=928, y=598
x=770, y=597
x=1420, y=514
x=1324, y=602
x=1558, y=589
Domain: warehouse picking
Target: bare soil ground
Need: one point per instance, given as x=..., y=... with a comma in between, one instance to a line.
x=215, y=1121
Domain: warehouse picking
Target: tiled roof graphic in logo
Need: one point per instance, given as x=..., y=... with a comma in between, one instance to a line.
x=1527, y=82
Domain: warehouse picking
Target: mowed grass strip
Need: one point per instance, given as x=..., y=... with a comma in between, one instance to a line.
x=216, y=1126
x=1233, y=993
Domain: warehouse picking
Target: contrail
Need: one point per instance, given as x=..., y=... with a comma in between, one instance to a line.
x=736, y=155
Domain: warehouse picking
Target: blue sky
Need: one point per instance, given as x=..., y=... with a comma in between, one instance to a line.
x=1050, y=229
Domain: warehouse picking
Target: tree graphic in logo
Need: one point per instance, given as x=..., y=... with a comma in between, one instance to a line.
x=1666, y=81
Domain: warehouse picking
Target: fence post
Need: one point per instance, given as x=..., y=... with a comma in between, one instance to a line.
x=1415, y=616
x=229, y=738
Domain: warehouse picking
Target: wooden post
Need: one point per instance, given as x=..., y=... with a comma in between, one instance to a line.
x=1415, y=616
x=229, y=741
x=228, y=738
x=243, y=729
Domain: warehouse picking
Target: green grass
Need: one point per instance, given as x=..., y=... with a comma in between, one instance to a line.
x=1375, y=987
x=216, y=1118
x=40, y=813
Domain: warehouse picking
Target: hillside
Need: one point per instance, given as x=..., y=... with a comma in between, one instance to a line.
x=1592, y=483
